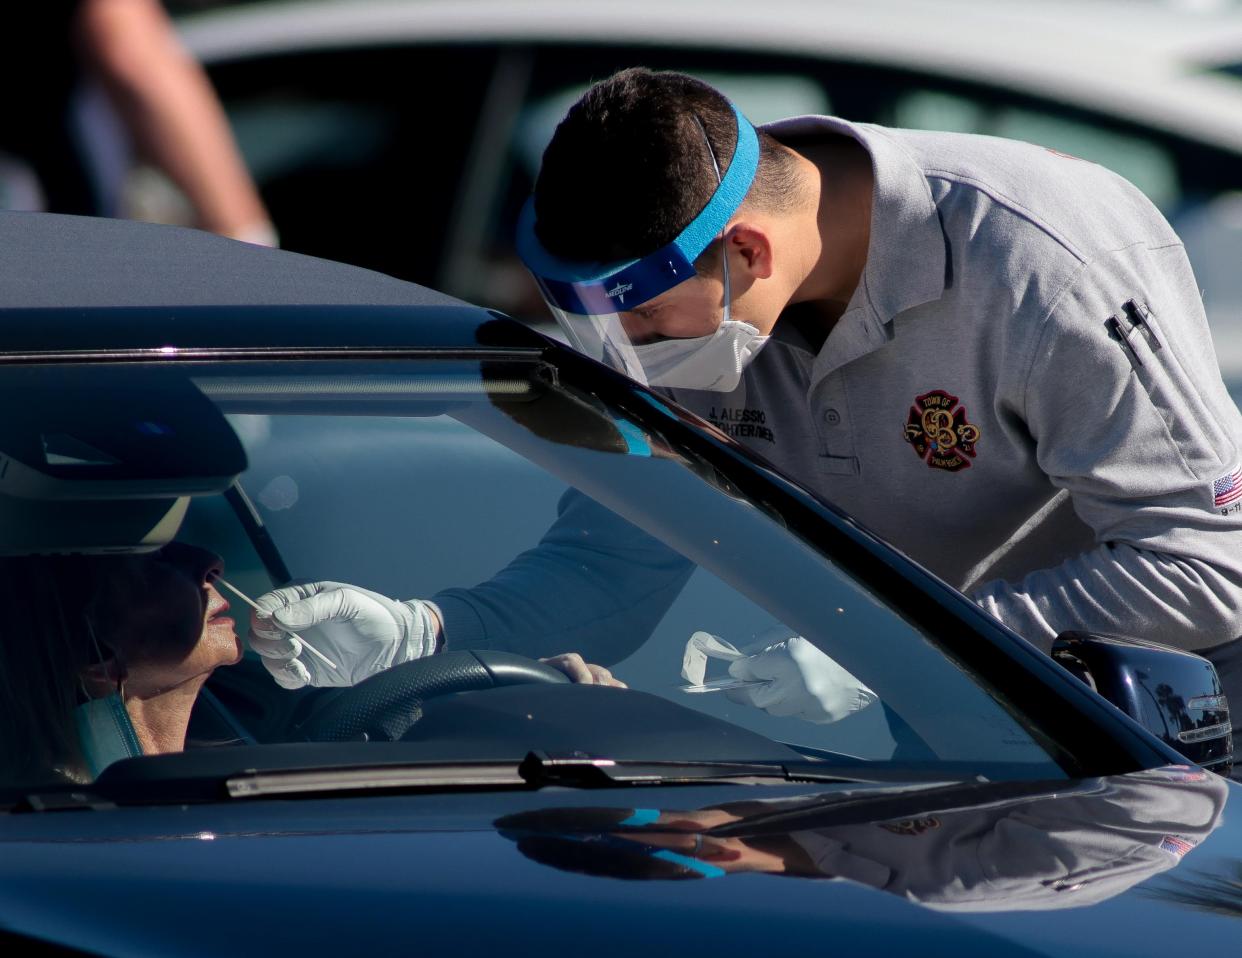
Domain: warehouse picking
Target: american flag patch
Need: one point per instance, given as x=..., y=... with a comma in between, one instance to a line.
x=1227, y=488
x=1183, y=773
x=1175, y=845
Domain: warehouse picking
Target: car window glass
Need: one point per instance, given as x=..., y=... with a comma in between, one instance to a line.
x=1144, y=163
x=1211, y=229
x=409, y=479
x=410, y=506
x=279, y=134
x=456, y=506
x=354, y=159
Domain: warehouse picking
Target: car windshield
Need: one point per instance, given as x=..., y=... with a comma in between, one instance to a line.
x=540, y=517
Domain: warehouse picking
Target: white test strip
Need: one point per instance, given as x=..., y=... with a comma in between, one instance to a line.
x=723, y=685
x=254, y=605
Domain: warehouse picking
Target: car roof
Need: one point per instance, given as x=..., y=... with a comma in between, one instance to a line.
x=74, y=283
x=1156, y=69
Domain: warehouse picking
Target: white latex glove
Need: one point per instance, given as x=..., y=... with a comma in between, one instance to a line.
x=361, y=631
x=803, y=683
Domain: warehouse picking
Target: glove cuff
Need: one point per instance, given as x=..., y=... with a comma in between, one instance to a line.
x=419, y=635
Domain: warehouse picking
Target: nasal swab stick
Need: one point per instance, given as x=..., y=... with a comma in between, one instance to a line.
x=254, y=605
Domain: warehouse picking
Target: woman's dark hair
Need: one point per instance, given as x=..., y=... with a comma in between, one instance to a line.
x=628, y=168
x=44, y=648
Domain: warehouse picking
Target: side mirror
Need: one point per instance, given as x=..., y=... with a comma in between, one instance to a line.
x=1175, y=695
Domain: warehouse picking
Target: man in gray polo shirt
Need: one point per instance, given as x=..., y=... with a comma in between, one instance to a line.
x=992, y=354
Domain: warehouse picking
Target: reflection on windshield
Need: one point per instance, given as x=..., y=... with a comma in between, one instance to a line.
x=952, y=850
x=581, y=528
x=513, y=513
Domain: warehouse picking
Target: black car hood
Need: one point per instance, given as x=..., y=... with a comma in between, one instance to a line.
x=1135, y=865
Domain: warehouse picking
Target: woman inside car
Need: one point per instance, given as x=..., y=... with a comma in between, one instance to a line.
x=103, y=657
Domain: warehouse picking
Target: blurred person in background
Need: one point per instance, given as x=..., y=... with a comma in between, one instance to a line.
x=60, y=148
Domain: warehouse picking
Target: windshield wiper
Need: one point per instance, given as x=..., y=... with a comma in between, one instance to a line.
x=536, y=770
x=540, y=769
x=130, y=786
x=370, y=778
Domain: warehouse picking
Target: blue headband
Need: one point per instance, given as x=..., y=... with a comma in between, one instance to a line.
x=602, y=288
x=706, y=869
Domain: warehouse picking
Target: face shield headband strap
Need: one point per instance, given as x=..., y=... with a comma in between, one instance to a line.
x=600, y=289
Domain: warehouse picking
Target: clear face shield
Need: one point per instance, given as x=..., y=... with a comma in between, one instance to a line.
x=593, y=303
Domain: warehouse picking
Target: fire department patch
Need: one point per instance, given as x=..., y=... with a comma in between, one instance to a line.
x=938, y=431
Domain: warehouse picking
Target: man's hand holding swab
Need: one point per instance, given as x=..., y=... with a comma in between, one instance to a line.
x=362, y=631
x=293, y=635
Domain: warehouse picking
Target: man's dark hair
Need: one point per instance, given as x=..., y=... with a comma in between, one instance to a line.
x=628, y=167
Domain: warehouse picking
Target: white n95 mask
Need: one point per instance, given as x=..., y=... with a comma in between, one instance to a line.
x=714, y=362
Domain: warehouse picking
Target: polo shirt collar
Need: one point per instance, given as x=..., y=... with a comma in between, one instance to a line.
x=906, y=254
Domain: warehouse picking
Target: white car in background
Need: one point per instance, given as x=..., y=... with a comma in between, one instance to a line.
x=403, y=136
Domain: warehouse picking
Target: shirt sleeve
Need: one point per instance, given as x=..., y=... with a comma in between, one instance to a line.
x=595, y=584
x=1086, y=844
x=1125, y=405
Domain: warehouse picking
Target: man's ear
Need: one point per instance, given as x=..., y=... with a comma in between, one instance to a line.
x=754, y=245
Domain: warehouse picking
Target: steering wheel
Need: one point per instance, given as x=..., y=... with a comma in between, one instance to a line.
x=384, y=706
